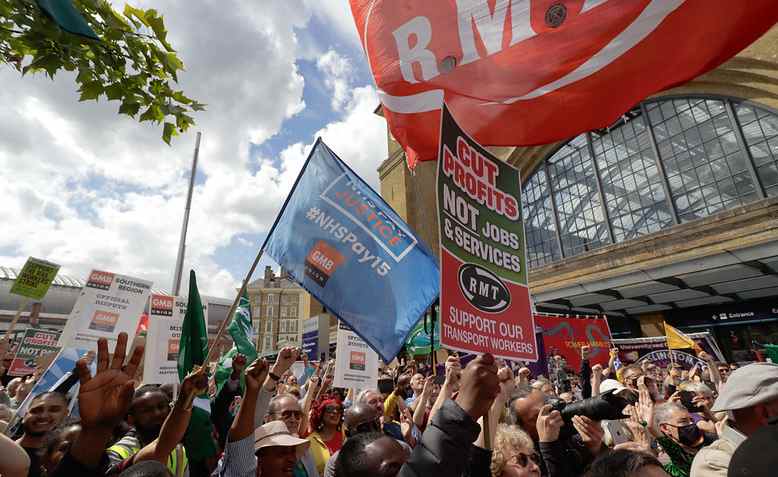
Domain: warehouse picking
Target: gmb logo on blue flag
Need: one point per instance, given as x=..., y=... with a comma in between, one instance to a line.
x=348, y=248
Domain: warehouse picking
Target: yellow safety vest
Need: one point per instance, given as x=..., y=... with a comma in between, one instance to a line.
x=176, y=462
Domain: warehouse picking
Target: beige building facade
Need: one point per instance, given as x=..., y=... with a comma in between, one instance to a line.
x=278, y=308
x=670, y=214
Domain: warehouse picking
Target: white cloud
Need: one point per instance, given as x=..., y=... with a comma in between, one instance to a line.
x=85, y=187
x=338, y=74
x=359, y=138
x=336, y=14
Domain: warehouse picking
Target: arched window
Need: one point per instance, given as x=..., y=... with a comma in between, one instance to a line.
x=666, y=162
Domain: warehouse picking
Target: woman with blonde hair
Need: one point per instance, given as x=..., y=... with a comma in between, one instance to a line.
x=514, y=453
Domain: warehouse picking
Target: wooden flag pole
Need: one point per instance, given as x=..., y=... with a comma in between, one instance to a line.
x=19, y=311
x=487, y=430
x=259, y=256
x=235, y=302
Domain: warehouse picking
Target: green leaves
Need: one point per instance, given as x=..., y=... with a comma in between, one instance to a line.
x=158, y=27
x=133, y=63
x=153, y=113
x=135, y=15
x=91, y=90
x=168, y=131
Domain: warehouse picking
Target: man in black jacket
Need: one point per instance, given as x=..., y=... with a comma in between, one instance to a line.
x=446, y=447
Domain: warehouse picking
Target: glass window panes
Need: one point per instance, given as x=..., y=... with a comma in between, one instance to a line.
x=631, y=183
x=581, y=218
x=760, y=131
x=703, y=159
x=708, y=165
x=539, y=224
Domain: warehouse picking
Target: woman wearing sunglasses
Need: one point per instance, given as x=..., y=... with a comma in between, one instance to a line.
x=327, y=436
x=514, y=454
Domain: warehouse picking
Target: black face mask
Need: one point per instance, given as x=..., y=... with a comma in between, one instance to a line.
x=690, y=435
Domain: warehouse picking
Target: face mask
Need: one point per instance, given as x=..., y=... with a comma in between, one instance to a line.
x=689, y=435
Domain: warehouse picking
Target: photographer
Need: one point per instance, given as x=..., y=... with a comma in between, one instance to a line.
x=560, y=455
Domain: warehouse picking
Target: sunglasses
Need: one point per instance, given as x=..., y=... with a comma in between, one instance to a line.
x=333, y=410
x=522, y=460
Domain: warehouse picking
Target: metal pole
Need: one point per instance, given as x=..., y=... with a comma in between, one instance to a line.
x=182, y=242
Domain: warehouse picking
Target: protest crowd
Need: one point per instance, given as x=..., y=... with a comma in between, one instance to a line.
x=509, y=82
x=485, y=418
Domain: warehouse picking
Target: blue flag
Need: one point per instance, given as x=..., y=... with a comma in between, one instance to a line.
x=340, y=241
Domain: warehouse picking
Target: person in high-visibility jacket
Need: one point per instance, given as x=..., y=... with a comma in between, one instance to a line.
x=157, y=427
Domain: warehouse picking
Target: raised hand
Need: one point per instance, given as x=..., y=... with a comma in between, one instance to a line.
x=286, y=358
x=591, y=433
x=25, y=387
x=645, y=405
x=238, y=363
x=635, y=424
x=479, y=386
x=524, y=374
x=195, y=384
x=507, y=383
x=549, y=423
x=256, y=374
x=104, y=399
x=453, y=372
x=585, y=349
x=429, y=382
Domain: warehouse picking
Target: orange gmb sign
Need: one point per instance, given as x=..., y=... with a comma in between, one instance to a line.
x=322, y=261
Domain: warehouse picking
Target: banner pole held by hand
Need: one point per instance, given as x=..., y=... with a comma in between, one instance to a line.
x=19, y=311
x=487, y=431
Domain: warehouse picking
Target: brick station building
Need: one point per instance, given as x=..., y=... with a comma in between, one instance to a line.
x=670, y=214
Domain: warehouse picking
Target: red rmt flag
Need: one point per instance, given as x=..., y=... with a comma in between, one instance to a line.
x=524, y=72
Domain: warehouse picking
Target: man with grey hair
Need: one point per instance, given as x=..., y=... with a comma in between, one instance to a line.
x=750, y=397
x=375, y=399
x=679, y=436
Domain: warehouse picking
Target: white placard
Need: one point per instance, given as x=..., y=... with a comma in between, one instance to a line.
x=108, y=305
x=356, y=364
x=166, y=315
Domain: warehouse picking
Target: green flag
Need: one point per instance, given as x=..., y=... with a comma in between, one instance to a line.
x=193, y=347
x=192, y=350
x=241, y=331
x=418, y=341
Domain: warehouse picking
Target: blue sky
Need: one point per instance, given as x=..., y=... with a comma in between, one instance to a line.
x=87, y=188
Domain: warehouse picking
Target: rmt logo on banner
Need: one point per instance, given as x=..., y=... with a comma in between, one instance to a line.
x=483, y=289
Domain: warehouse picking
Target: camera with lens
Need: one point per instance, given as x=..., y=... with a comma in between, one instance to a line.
x=606, y=406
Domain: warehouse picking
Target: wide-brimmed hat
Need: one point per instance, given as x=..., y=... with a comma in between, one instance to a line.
x=275, y=434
